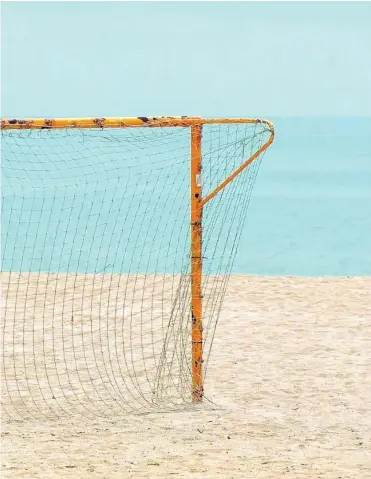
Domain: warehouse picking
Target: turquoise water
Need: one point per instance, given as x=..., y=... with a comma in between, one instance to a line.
x=310, y=212
x=311, y=209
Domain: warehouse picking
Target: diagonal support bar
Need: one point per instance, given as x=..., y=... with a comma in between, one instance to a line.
x=244, y=165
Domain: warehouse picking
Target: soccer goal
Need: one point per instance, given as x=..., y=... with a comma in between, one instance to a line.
x=118, y=238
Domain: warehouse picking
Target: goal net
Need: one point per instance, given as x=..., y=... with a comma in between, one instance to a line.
x=97, y=258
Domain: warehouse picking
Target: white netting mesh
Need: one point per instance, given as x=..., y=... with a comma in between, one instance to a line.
x=96, y=263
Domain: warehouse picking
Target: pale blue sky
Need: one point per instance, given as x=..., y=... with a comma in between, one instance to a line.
x=238, y=59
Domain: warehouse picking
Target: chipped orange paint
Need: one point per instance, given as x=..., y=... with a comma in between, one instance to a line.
x=39, y=123
x=196, y=262
x=197, y=202
x=162, y=121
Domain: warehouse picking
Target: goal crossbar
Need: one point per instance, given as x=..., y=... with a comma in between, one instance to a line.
x=125, y=122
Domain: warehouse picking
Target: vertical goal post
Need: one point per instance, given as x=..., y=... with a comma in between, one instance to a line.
x=197, y=201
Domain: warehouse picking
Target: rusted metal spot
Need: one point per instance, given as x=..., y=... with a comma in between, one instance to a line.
x=99, y=122
x=197, y=362
x=48, y=123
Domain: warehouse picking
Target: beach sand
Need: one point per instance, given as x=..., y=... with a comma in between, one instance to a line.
x=289, y=395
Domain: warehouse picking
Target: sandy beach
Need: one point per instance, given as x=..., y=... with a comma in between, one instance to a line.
x=288, y=395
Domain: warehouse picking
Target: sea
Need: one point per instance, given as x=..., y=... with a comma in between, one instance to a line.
x=309, y=214
x=311, y=207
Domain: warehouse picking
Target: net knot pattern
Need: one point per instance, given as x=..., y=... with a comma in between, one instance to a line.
x=96, y=264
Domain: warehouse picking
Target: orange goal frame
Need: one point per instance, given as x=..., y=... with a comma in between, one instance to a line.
x=197, y=202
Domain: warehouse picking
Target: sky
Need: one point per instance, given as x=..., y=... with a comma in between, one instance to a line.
x=76, y=59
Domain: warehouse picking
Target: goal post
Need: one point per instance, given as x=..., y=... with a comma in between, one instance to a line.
x=196, y=262
x=125, y=323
